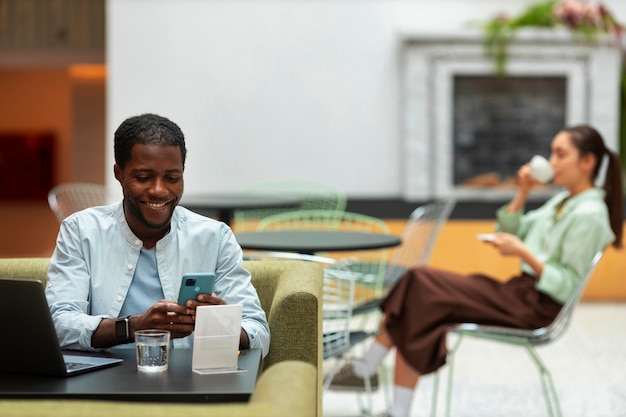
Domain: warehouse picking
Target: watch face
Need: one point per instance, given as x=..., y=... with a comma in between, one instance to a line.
x=121, y=328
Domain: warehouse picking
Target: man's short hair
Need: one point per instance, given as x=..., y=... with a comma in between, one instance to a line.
x=146, y=129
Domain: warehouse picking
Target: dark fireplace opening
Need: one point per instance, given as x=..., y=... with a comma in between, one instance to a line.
x=499, y=123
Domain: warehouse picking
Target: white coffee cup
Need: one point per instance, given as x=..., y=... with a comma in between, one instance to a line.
x=540, y=169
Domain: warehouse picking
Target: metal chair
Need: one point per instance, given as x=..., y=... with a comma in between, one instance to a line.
x=526, y=338
x=367, y=265
x=338, y=298
x=419, y=237
x=68, y=198
x=312, y=195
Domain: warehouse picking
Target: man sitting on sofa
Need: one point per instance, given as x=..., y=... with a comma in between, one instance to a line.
x=117, y=268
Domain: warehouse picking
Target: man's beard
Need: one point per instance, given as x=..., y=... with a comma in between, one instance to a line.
x=136, y=212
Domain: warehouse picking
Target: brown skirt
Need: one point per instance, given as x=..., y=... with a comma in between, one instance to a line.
x=426, y=302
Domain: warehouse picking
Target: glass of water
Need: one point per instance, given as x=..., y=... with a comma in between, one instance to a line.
x=153, y=348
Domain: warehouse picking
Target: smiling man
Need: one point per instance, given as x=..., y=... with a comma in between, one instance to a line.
x=117, y=269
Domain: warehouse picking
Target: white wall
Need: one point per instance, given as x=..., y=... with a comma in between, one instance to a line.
x=267, y=89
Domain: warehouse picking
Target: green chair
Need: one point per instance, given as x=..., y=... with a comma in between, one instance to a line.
x=525, y=338
x=368, y=265
x=312, y=195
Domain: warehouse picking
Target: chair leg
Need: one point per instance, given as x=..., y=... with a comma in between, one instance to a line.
x=365, y=406
x=547, y=385
x=450, y=359
x=436, y=378
x=331, y=374
x=433, y=405
x=386, y=384
x=366, y=410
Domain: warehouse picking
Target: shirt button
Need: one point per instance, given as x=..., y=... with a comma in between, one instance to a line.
x=137, y=242
x=130, y=266
x=120, y=298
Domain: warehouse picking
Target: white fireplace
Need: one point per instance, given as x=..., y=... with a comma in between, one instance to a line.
x=431, y=63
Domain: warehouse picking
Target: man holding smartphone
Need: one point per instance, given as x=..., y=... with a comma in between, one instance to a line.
x=118, y=268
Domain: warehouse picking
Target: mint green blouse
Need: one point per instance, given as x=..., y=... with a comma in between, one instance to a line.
x=565, y=243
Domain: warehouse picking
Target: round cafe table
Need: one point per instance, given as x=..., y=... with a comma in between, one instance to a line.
x=312, y=241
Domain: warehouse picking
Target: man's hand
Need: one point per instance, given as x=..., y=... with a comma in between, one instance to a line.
x=166, y=315
x=212, y=300
x=203, y=300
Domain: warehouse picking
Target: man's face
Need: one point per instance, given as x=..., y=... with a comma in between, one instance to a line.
x=152, y=183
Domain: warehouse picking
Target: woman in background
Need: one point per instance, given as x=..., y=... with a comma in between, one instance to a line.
x=555, y=244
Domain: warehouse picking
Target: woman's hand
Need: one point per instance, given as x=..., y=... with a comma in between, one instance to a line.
x=508, y=244
x=525, y=182
x=525, y=179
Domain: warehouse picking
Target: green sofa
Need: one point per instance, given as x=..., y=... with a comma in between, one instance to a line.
x=290, y=385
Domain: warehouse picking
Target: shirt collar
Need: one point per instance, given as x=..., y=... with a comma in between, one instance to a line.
x=592, y=194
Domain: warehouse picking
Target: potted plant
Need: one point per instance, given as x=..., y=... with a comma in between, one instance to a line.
x=582, y=18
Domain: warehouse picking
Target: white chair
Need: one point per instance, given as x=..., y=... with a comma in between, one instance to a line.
x=526, y=338
x=68, y=198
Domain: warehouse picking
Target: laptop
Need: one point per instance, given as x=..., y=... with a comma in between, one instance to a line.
x=30, y=344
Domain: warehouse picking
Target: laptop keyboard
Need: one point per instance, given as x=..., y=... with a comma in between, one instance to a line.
x=75, y=366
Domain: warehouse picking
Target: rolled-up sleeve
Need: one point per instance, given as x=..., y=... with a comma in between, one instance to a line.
x=68, y=290
x=234, y=285
x=508, y=222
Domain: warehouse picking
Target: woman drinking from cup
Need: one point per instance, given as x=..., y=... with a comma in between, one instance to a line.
x=554, y=243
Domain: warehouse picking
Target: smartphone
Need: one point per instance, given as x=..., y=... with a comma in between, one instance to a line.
x=194, y=284
x=486, y=237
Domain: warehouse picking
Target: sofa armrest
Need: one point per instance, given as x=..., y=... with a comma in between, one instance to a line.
x=30, y=268
x=290, y=386
x=291, y=295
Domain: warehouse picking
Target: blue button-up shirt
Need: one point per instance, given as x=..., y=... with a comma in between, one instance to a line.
x=96, y=255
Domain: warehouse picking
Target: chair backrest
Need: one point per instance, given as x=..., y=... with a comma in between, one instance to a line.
x=312, y=196
x=418, y=238
x=68, y=198
x=562, y=320
x=368, y=265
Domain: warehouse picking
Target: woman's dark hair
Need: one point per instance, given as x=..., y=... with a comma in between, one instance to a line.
x=146, y=129
x=588, y=141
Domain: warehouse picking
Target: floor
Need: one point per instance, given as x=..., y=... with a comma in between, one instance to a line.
x=588, y=365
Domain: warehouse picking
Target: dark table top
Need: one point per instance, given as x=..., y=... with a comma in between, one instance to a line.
x=124, y=383
x=237, y=201
x=311, y=241
x=225, y=204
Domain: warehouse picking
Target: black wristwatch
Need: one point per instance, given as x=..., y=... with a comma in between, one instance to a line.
x=122, y=330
